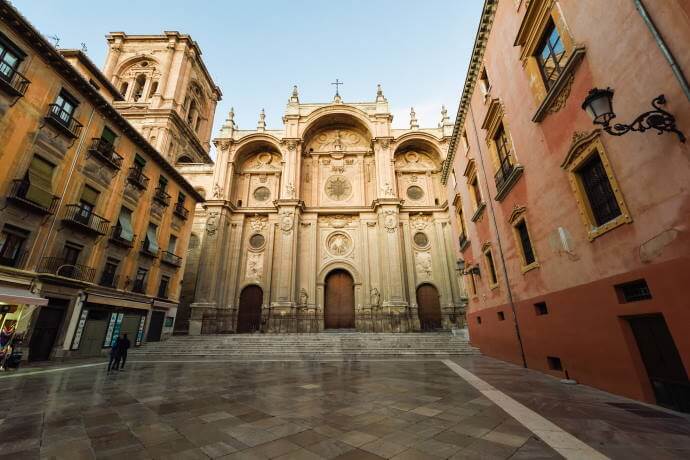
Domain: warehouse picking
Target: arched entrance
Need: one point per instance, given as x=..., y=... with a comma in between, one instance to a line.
x=339, y=304
x=429, y=307
x=249, y=316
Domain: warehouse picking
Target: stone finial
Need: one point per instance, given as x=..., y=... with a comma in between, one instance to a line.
x=295, y=95
x=379, y=94
x=261, y=126
x=414, y=124
x=445, y=119
x=230, y=121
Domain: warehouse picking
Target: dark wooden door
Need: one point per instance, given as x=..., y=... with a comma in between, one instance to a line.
x=429, y=307
x=662, y=361
x=339, y=309
x=45, y=332
x=249, y=316
x=155, y=328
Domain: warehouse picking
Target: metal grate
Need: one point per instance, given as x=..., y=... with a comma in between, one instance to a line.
x=634, y=291
x=602, y=200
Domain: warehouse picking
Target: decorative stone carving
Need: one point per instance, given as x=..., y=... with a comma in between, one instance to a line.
x=286, y=221
x=338, y=188
x=217, y=191
x=375, y=297
x=255, y=265
x=423, y=263
x=387, y=190
x=338, y=140
x=419, y=221
x=390, y=220
x=303, y=297
x=338, y=244
x=212, y=223
x=562, y=97
x=258, y=224
x=337, y=221
x=290, y=190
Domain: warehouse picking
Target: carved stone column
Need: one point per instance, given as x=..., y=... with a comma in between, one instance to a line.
x=394, y=298
x=284, y=270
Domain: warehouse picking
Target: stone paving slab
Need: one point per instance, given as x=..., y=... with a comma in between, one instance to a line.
x=313, y=410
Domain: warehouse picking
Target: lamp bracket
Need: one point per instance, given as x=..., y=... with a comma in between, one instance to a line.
x=658, y=119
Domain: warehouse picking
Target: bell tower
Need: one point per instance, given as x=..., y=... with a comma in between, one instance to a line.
x=169, y=95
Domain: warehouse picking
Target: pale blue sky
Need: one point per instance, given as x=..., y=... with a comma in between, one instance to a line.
x=256, y=50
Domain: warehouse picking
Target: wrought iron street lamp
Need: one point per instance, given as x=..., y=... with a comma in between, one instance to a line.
x=599, y=105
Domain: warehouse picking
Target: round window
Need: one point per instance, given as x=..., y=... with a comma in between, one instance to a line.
x=262, y=194
x=420, y=239
x=256, y=241
x=415, y=193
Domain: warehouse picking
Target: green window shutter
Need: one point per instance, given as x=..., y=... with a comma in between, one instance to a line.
x=40, y=177
x=108, y=135
x=151, y=235
x=172, y=244
x=139, y=161
x=89, y=195
x=125, y=221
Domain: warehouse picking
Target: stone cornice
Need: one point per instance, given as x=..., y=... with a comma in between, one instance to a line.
x=485, y=22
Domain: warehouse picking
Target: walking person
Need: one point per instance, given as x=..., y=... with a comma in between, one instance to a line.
x=114, y=362
x=124, y=346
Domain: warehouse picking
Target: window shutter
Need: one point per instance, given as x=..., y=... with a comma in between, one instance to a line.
x=108, y=135
x=89, y=195
x=172, y=244
x=41, y=182
x=125, y=221
x=151, y=235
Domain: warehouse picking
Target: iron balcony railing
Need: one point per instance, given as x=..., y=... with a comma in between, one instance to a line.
x=146, y=249
x=139, y=286
x=109, y=280
x=171, y=259
x=12, y=81
x=181, y=211
x=63, y=120
x=15, y=261
x=505, y=169
x=116, y=237
x=85, y=219
x=60, y=267
x=104, y=151
x=32, y=197
x=137, y=177
x=161, y=196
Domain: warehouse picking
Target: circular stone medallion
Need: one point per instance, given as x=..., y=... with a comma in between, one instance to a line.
x=257, y=241
x=338, y=244
x=415, y=193
x=421, y=240
x=338, y=188
x=262, y=194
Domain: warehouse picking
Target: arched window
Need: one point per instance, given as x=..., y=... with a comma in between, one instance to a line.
x=154, y=88
x=123, y=89
x=138, y=87
x=184, y=159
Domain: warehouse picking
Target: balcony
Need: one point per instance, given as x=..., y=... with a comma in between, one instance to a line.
x=31, y=197
x=117, y=238
x=506, y=176
x=146, y=250
x=137, y=177
x=104, y=151
x=60, y=267
x=171, y=259
x=181, y=211
x=463, y=241
x=109, y=280
x=64, y=121
x=12, y=82
x=161, y=196
x=85, y=220
x=15, y=261
x=139, y=286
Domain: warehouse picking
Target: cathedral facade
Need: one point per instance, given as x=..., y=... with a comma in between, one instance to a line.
x=336, y=221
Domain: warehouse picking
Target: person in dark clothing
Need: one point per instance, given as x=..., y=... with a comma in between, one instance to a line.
x=115, y=355
x=124, y=346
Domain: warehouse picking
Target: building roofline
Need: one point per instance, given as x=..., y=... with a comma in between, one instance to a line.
x=84, y=59
x=483, y=31
x=17, y=22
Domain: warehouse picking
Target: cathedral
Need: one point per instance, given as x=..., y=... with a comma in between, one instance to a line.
x=335, y=221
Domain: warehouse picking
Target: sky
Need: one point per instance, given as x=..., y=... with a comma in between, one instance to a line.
x=257, y=50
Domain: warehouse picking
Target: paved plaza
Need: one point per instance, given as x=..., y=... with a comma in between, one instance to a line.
x=404, y=409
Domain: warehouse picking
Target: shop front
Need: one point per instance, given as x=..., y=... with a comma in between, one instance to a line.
x=17, y=304
x=162, y=321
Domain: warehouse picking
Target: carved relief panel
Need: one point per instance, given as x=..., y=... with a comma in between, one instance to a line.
x=259, y=180
x=415, y=173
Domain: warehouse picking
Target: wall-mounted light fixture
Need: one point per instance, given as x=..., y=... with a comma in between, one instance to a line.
x=599, y=105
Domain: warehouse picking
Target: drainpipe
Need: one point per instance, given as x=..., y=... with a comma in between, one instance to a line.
x=498, y=241
x=677, y=71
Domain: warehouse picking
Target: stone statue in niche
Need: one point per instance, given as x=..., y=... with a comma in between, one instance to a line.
x=303, y=297
x=375, y=297
x=211, y=223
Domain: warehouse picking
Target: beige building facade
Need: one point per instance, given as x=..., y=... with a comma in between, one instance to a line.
x=337, y=220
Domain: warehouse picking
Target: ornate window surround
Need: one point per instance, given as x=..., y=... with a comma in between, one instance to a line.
x=534, y=23
x=493, y=121
x=471, y=175
x=516, y=217
x=490, y=263
x=457, y=203
x=585, y=145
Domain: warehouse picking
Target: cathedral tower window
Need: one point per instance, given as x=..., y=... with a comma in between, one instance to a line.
x=138, y=90
x=123, y=89
x=154, y=88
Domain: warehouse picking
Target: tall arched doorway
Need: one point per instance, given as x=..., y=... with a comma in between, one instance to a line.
x=249, y=316
x=429, y=307
x=339, y=305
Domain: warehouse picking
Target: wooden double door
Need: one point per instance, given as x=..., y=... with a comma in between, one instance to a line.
x=249, y=315
x=429, y=307
x=339, y=305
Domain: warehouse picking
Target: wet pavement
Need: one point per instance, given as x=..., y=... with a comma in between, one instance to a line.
x=309, y=410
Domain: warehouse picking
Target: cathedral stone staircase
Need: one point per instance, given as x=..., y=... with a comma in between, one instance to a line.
x=320, y=346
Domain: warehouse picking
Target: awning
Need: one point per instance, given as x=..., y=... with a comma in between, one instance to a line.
x=161, y=304
x=117, y=302
x=18, y=295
